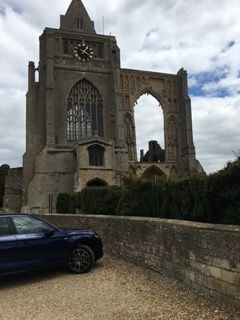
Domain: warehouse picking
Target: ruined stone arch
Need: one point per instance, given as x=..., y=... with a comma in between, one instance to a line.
x=160, y=113
x=164, y=88
x=153, y=173
x=150, y=91
x=96, y=182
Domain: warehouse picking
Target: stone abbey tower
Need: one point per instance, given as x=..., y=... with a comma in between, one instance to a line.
x=80, y=116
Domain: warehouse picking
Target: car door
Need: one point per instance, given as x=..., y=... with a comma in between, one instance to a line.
x=37, y=246
x=8, y=246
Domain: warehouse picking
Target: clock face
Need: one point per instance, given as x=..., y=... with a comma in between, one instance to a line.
x=83, y=52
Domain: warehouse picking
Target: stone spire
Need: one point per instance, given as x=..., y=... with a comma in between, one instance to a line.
x=77, y=18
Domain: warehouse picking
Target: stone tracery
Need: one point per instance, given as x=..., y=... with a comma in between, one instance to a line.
x=84, y=112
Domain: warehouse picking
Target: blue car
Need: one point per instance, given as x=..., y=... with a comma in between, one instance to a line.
x=27, y=243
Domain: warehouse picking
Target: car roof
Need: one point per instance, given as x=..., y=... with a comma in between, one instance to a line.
x=9, y=214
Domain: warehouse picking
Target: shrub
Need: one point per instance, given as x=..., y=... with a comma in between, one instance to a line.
x=63, y=203
x=223, y=194
x=142, y=198
x=100, y=200
x=214, y=198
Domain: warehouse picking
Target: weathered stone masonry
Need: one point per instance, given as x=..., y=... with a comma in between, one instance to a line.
x=204, y=256
x=80, y=118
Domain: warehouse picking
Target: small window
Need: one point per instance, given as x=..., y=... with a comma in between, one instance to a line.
x=96, y=155
x=27, y=225
x=4, y=226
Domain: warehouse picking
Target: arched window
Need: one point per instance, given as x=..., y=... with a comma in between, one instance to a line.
x=84, y=112
x=96, y=154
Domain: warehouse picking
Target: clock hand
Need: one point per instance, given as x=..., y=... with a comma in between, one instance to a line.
x=84, y=51
x=87, y=53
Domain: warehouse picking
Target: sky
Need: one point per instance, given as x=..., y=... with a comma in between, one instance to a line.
x=203, y=37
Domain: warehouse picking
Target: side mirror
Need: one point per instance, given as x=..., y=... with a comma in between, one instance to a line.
x=49, y=232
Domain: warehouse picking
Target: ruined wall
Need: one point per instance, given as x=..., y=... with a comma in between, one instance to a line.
x=204, y=256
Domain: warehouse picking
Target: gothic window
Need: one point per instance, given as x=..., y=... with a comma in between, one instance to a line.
x=96, y=155
x=84, y=112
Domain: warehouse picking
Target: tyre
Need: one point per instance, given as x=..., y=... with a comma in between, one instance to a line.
x=81, y=259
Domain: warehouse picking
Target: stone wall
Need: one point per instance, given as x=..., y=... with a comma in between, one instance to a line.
x=13, y=190
x=204, y=256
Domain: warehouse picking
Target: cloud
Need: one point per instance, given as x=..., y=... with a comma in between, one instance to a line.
x=163, y=36
x=216, y=129
x=12, y=126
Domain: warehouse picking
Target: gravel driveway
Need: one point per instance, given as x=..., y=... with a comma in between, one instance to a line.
x=113, y=290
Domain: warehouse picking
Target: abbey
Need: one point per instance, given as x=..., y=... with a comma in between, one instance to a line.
x=80, y=117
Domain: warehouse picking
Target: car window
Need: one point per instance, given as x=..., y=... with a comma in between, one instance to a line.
x=25, y=224
x=4, y=226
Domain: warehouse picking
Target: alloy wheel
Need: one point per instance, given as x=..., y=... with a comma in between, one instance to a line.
x=80, y=260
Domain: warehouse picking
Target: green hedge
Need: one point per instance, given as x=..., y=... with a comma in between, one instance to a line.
x=142, y=198
x=223, y=195
x=214, y=198
x=64, y=203
x=100, y=200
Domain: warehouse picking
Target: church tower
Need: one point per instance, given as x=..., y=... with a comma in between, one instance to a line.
x=74, y=129
x=80, y=116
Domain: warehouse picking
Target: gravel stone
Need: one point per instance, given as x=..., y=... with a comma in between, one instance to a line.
x=112, y=290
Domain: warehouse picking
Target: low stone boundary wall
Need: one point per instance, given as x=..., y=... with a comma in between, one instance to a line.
x=204, y=256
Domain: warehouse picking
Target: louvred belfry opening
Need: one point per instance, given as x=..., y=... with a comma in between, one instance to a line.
x=84, y=112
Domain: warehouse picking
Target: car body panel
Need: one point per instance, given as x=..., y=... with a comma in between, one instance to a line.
x=24, y=251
